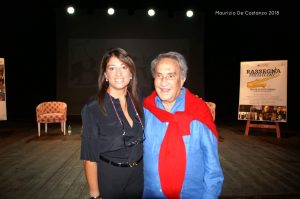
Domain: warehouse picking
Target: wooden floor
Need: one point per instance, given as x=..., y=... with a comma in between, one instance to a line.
x=259, y=166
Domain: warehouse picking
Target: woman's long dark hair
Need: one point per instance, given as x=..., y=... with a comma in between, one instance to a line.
x=123, y=56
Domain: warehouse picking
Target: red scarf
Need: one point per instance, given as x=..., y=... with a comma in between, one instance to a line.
x=172, y=156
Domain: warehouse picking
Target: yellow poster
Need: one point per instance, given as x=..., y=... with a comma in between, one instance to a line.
x=3, y=115
x=263, y=91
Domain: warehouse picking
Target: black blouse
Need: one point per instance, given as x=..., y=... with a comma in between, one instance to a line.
x=103, y=133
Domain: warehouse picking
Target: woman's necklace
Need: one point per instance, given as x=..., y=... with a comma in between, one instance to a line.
x=136, y=113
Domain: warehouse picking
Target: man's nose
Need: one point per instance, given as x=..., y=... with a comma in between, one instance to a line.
x=164, y=80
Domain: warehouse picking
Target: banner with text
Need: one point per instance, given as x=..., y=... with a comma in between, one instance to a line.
x=263, y=91
x=3, y=115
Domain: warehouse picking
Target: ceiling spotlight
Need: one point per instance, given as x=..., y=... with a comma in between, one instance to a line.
x=70, y=10
x=110, y=11
x=189, y=13
x=151, y=12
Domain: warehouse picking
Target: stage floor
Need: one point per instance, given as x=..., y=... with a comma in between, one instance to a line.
x=255, y=166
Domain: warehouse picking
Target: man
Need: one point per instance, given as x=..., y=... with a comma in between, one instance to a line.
x=181, y=146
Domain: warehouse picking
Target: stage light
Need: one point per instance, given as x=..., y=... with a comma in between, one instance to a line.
x=189, y=13
x=151, y=12
x=110, y=11
x=70, y=10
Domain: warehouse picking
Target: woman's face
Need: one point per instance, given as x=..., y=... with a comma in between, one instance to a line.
x=117, y=74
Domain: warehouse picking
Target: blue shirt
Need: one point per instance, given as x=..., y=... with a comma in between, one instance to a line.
x=203, y=177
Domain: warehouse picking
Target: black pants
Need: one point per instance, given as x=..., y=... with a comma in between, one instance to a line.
x=120, y=182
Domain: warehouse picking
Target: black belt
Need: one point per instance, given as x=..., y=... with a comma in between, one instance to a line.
x=126, y=164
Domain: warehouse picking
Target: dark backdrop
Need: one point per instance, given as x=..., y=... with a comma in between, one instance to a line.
x=83, y=38
x=28, y=42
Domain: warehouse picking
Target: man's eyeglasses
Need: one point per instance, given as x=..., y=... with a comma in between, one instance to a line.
x=169, y=76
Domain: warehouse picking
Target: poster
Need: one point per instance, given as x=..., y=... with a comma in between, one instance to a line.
x=2, y=91
x=263, y=91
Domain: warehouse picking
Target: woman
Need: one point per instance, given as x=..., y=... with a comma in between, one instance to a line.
x=113, y=131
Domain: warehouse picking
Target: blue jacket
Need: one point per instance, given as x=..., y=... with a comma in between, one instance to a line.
x=204, y=176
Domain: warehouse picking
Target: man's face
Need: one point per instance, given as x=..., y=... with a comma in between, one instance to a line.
x=168, y=80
